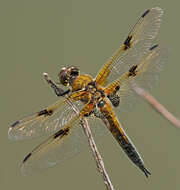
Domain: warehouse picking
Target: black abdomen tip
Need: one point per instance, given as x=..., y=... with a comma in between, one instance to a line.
x=146, y=172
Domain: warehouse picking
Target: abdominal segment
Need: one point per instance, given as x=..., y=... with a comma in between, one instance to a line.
x=119, y=134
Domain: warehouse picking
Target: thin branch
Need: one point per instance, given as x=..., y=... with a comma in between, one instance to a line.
x=156, y=105
x=92, y=144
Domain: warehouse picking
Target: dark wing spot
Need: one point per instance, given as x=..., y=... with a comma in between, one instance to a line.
x=153, y=47
x=117, y=88
x=45, y=112
x=145, y=13
x=61, y=132
x=127, y=42
x=50, y=112
x=27, y=157
x=15, y=123
x=132, y=70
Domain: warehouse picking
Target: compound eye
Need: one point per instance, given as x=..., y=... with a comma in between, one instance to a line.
x=74, y=71
x=63, y=77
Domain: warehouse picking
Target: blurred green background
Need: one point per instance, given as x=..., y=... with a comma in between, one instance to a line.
x=39, y=36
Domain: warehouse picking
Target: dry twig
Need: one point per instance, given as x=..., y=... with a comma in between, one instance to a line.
x=156, y=105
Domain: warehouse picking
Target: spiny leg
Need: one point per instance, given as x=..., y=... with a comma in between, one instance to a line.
x=58, y=91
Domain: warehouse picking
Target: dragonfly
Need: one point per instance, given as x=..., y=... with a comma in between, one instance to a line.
x=136, y=62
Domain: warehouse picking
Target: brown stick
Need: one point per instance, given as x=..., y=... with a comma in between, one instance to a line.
x=156, y=105
x=92, y=144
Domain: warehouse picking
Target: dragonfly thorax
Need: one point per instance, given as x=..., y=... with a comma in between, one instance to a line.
x=97, y=92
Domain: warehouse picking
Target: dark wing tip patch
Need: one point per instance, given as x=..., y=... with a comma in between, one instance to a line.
x=25, y=159
x=153, y=47
x=145, y=13
x=15, y=123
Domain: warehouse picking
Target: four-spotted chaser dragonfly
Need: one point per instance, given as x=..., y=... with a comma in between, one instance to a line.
x=137, y=61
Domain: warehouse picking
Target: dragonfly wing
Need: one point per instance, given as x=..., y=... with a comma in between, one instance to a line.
x=61, y=146
x=145, y=74
x=45, y=121
x=137, y=43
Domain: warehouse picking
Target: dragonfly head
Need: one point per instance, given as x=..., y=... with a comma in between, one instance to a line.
x=67, y=75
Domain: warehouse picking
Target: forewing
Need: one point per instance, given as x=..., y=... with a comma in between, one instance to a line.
x=137, y=43
x=45, y=121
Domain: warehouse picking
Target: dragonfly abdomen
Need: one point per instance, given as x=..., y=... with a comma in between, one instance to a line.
x=119, y=134
x=129, y=148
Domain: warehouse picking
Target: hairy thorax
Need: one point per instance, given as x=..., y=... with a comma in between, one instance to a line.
x=93, y=92
x=81, y=82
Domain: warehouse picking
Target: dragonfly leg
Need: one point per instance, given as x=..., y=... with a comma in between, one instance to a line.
x=58, y=91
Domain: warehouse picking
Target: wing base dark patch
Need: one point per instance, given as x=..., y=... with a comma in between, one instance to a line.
x=117, y=88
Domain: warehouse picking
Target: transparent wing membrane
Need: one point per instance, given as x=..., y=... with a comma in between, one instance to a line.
x=137, y=43
x=61, y=146
x=44, y=122
x=145, y=75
